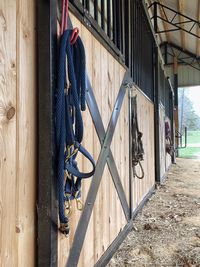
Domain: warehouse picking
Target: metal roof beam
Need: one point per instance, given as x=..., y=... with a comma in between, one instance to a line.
x=181, y=20
x=177, y=26
x=184, y=57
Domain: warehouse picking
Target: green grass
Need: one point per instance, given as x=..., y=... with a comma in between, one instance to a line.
x=191, y=152
x=193, y=137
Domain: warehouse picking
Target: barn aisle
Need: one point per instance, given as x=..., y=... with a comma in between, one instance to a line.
x=167, y=231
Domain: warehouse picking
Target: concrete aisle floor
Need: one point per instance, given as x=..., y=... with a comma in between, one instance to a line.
x=167, y=231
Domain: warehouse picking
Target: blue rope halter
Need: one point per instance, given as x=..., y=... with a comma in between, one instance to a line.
x=70, y=101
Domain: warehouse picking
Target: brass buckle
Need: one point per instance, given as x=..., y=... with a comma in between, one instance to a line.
x=79, y=203
x=69, y=153
x=68, y=207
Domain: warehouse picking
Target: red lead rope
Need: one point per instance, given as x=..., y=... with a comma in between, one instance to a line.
x=64, y=20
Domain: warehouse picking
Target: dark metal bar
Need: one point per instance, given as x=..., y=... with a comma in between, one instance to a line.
x=178, y=13
x=179, y=136
x=123, y=25
x=89, y=204
x=177, y=28
x=179, y=48
x=102, y=15
x=104, y=260
x=185, y=137
x=185, y=22
x=114, y=13
x=118, y=24
x=172, y=123
x=132, y=38
x=127, y=33
x=96, y=30
x=156, y=118
x=184, y=63
x=176, y=90
x=155, y=16
x=151, y=28
x=130, y=158
x=46, y=197
x=165, y=47
x=87, y=5
x=182, y=56
x=109, y=18
x=96, y=10
x=173, y=17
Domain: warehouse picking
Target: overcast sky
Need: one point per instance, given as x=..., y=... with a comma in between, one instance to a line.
x=194, y=95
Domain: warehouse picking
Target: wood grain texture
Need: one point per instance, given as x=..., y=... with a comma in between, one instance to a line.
x=17, y=133
x=8, y=163
x=107, y=219
x=145, y=111
x=26, y=132
x=162, y=140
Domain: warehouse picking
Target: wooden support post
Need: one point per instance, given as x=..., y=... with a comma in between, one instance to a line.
x=198, y=31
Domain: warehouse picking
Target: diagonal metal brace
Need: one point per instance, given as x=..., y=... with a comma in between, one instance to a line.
x=93, y=107
x=103, y=156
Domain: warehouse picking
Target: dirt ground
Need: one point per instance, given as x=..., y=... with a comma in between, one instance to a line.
x=167, y=231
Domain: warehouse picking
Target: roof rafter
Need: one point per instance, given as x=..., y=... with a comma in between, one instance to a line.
x=165, y=24
x=184, y=57
x=181, y=20
x=175, y=26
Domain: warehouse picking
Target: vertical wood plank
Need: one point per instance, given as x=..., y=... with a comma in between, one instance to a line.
x=88, y=255
x=96, y=149
x=8, y=109
x=145, y=110
x=106, y=75
x=112, y=220
x=26, y=132
x=105, y=178
x=123, y=144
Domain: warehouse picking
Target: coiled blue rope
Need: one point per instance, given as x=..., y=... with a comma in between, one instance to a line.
x=70, y=101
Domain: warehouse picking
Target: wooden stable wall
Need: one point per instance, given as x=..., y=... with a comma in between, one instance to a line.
x=18, y=143
x=165, y=158
x=105, y=75
x=107, y=219
x=146, y=126
x=17, y=133
x=162, y=140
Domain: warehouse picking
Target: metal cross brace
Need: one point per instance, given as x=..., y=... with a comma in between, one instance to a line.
x=191, y=23
x=104, y=156
x=170, y=50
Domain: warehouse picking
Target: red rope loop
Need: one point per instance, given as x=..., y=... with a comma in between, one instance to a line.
x=64, y=19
